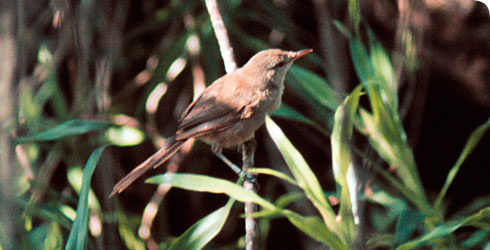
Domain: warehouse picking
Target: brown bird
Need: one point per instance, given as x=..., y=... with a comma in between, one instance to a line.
x=229, y=111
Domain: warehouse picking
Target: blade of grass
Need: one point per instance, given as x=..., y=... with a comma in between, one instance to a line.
x=314, y=86
x=272, y=172
x=285, y=111
x=479, y=219
x=471, y=143
x=77, y=239
x=341, y=161
x=304, y=176
x=68, y=128
x=201, y=183
x=203, y=231
x=309, y=225
x=315, y=228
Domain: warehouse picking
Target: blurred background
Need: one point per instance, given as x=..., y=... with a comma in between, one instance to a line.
x=138, y=64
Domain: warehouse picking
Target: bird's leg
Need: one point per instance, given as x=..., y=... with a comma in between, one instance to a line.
x=217, y=149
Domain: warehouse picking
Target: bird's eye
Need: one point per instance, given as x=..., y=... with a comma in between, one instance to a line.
x=280, y=64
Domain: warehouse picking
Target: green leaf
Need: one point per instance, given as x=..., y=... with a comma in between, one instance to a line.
x=272, y=172
x=471, y=143
x=124, y=136
x=408, y=221
x=355, y=14
x=384, y=74
x=304, y=176
x=315, y=228
x=203, y=231
x=285, y=111
x=68, y=128
x=288, y=198
x=75, y=178
x=341, y=159
x=314, y=86
x=361, y=60
x=46, y=236
x=77, y=239
x=480, y=219
x=49, y=213
x=128, y=230
x=341, y=27
x=201, y=183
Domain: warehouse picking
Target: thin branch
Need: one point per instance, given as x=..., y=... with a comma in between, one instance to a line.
x=248, y=148
x=251, y=225
x=221, y=36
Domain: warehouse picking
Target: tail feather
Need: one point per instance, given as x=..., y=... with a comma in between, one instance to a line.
x=163, y=154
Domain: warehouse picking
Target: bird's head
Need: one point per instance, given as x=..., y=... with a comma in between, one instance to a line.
x=272, y=64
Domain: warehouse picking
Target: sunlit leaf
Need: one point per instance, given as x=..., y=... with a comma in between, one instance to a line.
x=124, y=136
x=309, y=225
x=272, y=172
x=77, y=238
x=302, y=173
x=203, y=231
x=316, y=229
x=201, y=183
x=128, y=230
x=341, y=159
x=75, y=178
x=384, y=73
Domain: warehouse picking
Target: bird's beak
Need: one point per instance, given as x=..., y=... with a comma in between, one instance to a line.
x=300, y=53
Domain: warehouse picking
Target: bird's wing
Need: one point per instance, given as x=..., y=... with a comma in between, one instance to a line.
x=211, y=113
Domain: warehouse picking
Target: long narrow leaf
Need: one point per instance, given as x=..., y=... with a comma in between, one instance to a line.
x=272, y=172
x=285, y=111
x=68, y=128
x=470, y=145
x=314, y=227
x=77, y=238
x=304, y=176
x=315, y=86
x=480, y=219
x=201, y=183
x=341, y=159
x=203, y=231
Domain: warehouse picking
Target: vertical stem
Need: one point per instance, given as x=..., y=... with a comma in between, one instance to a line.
x=248, y=148
x=221, y=36
x=251, y=226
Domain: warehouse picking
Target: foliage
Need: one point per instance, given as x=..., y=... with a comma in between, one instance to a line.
x=132, y=69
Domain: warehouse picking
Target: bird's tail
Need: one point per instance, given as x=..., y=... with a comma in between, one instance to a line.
x=163, y=154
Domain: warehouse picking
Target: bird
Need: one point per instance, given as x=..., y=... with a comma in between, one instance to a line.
x=229, y=111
